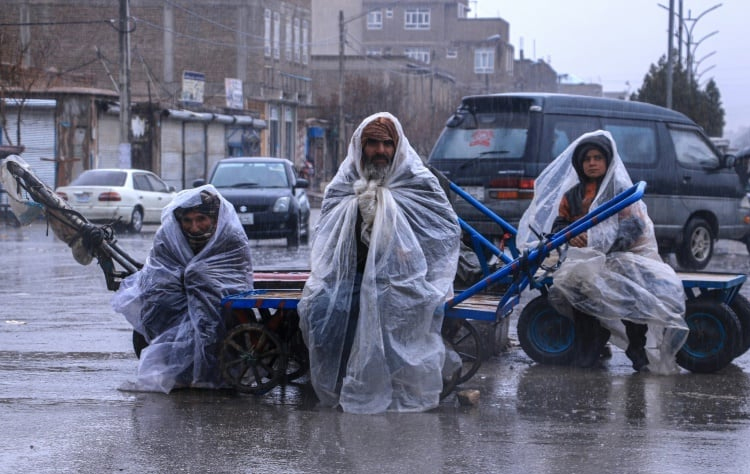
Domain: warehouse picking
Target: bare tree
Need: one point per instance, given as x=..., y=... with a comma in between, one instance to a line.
x=22, y=74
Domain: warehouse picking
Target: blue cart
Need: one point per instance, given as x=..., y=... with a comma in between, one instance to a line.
x=257, y=356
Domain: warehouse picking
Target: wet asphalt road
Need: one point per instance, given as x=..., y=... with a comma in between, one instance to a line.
x=64, y=354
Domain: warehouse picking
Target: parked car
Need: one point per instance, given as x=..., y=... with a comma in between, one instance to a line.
x=269, y=197
x=128, y=197
x=494, y=146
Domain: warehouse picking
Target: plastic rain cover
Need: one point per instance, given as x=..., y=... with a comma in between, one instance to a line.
x=398, y=353
x=174, y=300
x=634, y=285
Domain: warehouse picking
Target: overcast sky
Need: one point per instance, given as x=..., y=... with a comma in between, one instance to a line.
x=614, y=42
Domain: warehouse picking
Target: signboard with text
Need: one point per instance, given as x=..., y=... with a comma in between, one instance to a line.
x=193, y=85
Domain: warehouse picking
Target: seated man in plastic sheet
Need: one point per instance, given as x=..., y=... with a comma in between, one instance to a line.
x=200, y=254
x=613, y=272
x=383, y=260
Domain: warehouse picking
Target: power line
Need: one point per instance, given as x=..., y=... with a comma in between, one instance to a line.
x=110, y=22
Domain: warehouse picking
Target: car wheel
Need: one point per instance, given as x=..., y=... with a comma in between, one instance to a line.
x=714, y=336
x=293, y=238
x=136, y=220
x=545, y=335
x=697, y=245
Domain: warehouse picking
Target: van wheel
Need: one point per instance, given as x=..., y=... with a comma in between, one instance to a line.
x=697, y=245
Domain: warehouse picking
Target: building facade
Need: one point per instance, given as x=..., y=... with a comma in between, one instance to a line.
x=230, y=75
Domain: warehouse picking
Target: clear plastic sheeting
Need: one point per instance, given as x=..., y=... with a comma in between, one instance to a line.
x=174, y=300
x=634, y=285
x=398, y=355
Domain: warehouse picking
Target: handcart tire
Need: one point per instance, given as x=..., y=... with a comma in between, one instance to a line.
x=463, y=338
x=741, y=307
x=546, y=336
x=714, y=336
x=139, y=343
x=252, y=359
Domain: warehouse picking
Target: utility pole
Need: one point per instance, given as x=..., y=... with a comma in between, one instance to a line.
x=342, y=125
x=124, y=152
x=670, y=55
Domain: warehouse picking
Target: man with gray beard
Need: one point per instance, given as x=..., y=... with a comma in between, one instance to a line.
x=383, y=259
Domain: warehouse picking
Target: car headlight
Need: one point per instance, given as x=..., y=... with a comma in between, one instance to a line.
x=282, y=204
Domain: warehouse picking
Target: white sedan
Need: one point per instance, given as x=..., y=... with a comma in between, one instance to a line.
x=118, y=196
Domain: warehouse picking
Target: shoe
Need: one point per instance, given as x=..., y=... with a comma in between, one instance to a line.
x=638, y=357
x=606, y=352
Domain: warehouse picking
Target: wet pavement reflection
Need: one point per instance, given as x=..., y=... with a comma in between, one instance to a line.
x=64, y=356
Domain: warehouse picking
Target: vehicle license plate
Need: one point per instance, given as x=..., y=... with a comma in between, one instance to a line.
x=246, y=218
x=477, y=192
x=85, y=197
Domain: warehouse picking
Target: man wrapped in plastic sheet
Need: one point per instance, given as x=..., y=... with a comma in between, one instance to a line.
x=383, y=260
x=612, y=272
x=200, y=254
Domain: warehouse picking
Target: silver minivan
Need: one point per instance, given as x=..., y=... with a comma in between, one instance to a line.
x=494, y=146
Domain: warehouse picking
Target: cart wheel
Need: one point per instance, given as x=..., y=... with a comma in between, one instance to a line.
x=546, y=336
x=252, y=359
x=714, y=336
x=464, y=339
x=741, y=307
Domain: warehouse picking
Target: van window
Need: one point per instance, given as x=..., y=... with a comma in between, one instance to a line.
x=497, y=135
x=635, y=141
x=692, y=151
x=565, y=130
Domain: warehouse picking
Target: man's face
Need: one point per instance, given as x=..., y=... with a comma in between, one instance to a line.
x=196, y=223
x=594, y=164
x=377, y=155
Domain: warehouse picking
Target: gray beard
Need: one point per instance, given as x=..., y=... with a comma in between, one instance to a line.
x=373, y=172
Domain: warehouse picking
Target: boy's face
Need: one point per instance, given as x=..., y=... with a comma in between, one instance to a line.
x=594, y=164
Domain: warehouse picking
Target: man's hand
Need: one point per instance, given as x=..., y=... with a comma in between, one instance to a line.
x=580, y=240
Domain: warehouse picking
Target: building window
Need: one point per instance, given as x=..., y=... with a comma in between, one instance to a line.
x=297, y=42
x=417, y=19
x=374, y=51
x=288, y=40
x=463, y=10
x=451, y=53
x=305, y=42
x=276, y=35
x=418, y=54
x=267, y=33
x=484, y=61
x=375, y=20
x=389, y=12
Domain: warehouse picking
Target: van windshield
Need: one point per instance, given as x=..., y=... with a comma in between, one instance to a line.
x=497, y=135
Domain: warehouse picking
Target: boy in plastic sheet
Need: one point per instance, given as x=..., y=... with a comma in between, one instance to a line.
x=613, y=281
